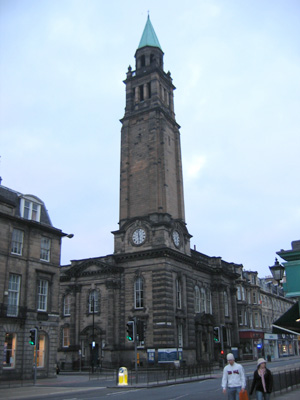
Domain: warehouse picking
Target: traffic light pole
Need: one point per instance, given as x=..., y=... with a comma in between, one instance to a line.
x=135, y=350
x=35, y=355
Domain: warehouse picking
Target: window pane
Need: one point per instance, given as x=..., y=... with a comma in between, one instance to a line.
x=40, y=360
x=34, y=215
x=27, y=209
x=67, y=305
x=42, y=295
x=66, y=337
x=178, y=294
x=139, y=293
x=13, y=295
x=45, y=249
x=9, y=351
x=197, y=299
x=17, y=242
x=93, y=301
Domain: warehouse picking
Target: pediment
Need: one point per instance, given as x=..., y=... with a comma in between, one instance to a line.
x=91, y=268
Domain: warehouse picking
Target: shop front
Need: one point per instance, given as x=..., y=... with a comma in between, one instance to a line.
x=251, y=345
x=271, y=346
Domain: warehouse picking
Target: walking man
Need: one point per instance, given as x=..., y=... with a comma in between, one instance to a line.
x=233, y=380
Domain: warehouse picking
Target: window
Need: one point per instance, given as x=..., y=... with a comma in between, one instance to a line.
x=209, y=303
x=203, y=300
x=45, y=249
x=67, y=305
x=245, y=318
x=9, y=351
x=42, y=295
x=240, y=317
x=93, y=302
x=197, y=299
x=180, y=335
x=243, y=294
x=30, y=210
x=40, y=359
x=139, y=293
x=17, y=242
x=66, y=336
x=13, y=295
x=238, y=293
x=226, y=305
x=257, y=321
x=254, y=298
x=178, y=293
x=250, y=320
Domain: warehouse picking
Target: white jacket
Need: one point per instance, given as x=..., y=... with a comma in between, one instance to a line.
x=233, y=376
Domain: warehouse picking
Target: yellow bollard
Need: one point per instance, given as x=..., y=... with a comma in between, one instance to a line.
x=123, y=377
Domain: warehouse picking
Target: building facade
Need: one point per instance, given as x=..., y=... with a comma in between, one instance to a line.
x=260, y=302
x=178, y=295
x=29, y=286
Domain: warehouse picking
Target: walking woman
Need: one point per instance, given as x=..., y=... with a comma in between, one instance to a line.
x=262, y=381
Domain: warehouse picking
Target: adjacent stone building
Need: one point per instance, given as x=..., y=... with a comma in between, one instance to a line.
x=29, y=285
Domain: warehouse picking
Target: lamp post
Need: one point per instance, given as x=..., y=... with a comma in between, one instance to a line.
x=277, y=271
x=92, y=303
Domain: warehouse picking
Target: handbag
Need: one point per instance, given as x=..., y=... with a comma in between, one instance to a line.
x=244, y=395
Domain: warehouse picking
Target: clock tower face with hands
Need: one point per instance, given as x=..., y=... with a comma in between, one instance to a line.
x=151, y=184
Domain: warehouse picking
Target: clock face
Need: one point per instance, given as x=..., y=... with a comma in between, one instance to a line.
x=176, y=238
x=139, y=236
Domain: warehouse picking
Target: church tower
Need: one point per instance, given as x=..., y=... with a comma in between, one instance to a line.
x=151, y=184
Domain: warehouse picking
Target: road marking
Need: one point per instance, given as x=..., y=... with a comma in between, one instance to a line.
x=124, y=392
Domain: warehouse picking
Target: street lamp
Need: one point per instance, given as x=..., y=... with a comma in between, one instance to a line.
x=277, y=271
x=92, y=308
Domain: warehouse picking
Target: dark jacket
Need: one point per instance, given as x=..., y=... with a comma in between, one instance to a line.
x=257, y=382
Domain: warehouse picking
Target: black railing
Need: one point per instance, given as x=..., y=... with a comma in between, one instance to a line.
x=168, y=374
x=282, y=381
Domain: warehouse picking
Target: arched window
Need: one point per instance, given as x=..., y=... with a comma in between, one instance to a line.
x=197, y=299
x=178, y=293
x=41, y=351
x=143, y=61
x=139, y=293
x=203, y=300
x=226, y=305
x=93, y=302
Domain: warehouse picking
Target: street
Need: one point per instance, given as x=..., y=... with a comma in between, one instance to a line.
x=79, y=387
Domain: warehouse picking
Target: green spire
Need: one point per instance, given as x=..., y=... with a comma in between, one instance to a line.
x=149, y=37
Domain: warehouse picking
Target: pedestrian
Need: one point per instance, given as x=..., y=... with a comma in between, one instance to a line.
x=233, y=380
x=262, y=381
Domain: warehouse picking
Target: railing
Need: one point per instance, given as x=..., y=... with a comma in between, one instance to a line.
x=12, y=311
x=282, y=381
x=168, y=374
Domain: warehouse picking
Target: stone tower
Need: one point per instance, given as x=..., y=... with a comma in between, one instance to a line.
x=151, y=184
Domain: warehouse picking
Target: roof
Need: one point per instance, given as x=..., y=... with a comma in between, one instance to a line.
x=149, y=37
x=11, y=197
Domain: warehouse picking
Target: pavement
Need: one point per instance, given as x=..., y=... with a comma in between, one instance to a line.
x=68, y=383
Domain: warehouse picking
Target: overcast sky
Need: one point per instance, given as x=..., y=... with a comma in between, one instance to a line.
x=236, y=67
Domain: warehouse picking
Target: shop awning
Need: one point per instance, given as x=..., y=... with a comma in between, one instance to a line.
x=287, y=323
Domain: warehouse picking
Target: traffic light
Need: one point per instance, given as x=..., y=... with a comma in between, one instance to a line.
x=140, y=328
x=130, y=331
x=33, y=337
x=216, y=334
x=222, y=352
